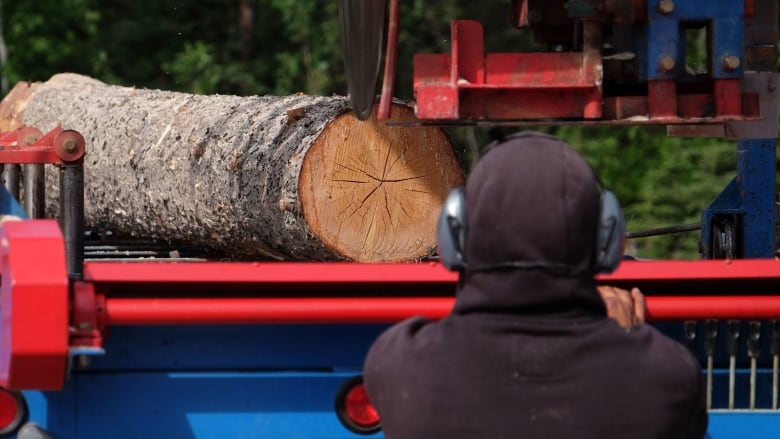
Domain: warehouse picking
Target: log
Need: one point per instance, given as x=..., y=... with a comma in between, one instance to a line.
x=291, y=177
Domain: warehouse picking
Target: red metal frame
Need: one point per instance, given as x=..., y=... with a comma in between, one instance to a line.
x=42, y=322
x=693, y=279
x=388, y=82
x=266, y=273
x=155, y=311
x=28, y=145
x=470, y=85
x=662, y=277
x=33, y=306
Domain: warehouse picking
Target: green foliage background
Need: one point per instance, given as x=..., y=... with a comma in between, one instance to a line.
x=282, y=47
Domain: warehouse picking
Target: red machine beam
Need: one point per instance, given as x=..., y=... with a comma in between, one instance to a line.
x=299, y=273
x=743, y=270
x=703, y=289
x=387, y=310
x=713, y=307
x=706, y=277
x=271, y=310
x=659, y=277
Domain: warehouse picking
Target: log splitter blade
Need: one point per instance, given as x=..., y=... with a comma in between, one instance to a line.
x=362, y=39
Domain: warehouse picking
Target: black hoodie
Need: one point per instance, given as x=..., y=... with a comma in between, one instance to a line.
x=531, y=353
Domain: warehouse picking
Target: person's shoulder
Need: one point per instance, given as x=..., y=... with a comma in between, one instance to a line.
x=397, y=338
x=391, y=357
x=669, y=354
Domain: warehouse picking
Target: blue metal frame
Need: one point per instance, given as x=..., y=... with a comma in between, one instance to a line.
x=264, y=381
x=725, y=24
x=743, y=425
x=756, y=165
x=277, y=381
x=751, y=195
x=193, y=405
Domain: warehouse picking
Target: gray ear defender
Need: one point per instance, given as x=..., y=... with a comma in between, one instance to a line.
x=610, y=234
x=610, y=240
x=451, y=231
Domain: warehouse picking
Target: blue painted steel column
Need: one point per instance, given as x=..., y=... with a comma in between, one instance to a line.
x=751, y=196
x=756, y=181
x=749, y=199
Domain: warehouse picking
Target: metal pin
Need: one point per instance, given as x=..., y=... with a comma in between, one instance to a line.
x=72, y=217
x=689, y=327
x=754, y=350
x=775, y=351
x=710, y=336
x=731, y=347
x=35, y=190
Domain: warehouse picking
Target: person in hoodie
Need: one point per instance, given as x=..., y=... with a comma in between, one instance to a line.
x=529, y=350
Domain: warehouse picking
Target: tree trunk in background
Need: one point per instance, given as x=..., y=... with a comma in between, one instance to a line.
x=295, y=177
x=246, y=28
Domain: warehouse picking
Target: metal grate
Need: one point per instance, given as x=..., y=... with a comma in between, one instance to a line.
x=106, y=246
x=740, y=359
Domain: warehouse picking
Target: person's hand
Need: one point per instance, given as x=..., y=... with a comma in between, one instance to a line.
x=626, y=308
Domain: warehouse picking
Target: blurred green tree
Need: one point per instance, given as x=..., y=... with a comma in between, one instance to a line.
x=282, y=47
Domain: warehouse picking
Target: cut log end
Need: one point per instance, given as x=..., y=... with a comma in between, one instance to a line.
x=13, y=105
x=373, y=192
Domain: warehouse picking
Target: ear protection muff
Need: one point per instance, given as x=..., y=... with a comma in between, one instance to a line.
x=611, y=234
x=453, y=230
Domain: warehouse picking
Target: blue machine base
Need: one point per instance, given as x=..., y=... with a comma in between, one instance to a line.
x=264, y=381
x=271, y=382
x=744, y=425
x=193, y=405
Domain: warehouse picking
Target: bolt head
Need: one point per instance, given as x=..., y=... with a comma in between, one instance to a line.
x=666, y=7
x=70, y=145
x=731, y=62
x=666, y=64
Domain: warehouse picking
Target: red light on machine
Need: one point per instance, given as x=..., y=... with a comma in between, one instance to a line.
x=354, y=409
x=13, y=411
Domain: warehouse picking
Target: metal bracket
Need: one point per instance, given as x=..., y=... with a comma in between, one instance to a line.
x=34, y=304
x=762, y=84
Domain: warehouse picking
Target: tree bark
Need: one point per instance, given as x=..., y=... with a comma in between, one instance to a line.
x=293, y=177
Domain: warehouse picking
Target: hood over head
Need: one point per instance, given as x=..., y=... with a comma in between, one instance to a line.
x=532, y=208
